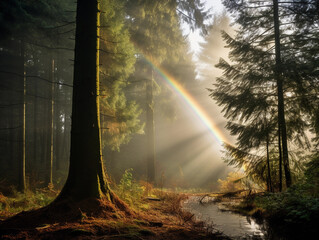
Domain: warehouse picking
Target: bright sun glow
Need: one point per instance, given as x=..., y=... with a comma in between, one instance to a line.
x=195, y=38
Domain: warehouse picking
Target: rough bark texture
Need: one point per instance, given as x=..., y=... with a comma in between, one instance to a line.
x=281, y=106
x=86, y=177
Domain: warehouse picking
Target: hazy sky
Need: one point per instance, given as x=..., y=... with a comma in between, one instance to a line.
x=194, y=37
x=216, y=4
x=206, y=151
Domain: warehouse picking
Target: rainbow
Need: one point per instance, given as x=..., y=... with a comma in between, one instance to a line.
x=190, y=101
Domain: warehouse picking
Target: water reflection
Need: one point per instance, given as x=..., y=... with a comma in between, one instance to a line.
x=233, y=225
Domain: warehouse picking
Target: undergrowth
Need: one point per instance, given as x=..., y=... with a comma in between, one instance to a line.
x=137, y=195
x=17, y=202
x=300, y=203
x=130, y=191
x=159, y=212
x=296, y=209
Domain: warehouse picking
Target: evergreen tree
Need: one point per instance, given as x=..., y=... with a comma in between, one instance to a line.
x=120, y=118
x=155, y=31
x=255, y=85
x=22, y=23
x=86, y=177
x=303, y=46
x=213, y=48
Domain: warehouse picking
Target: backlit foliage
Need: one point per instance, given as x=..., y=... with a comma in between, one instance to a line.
x=120, y=117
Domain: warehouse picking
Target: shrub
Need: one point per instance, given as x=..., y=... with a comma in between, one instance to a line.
x=232, y=183
x=128, y=189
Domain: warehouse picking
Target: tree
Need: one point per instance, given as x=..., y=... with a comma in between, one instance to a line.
x=20, y=24
x=257, y=81
x=213, y=47
x=152, y=23
x=86, y=177
x=304, y=47
x=119, y=115
x=156, y=33
x=281, y=103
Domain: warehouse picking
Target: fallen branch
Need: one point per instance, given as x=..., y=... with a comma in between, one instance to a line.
x=206, y=195
x=153, y=199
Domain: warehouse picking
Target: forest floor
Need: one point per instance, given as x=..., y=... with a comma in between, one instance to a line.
x=163, y=219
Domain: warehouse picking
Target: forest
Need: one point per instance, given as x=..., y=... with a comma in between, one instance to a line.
x=171, y=119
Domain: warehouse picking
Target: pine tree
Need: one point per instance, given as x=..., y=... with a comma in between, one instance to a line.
x=303, y=48
x=213, y=48
x=256, y=82
x=86, y=177
x=155, y=31
x=21, y=24
x=119, y=117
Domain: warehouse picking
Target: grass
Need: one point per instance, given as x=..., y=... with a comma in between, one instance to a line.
x=18, y=202
x=162, y=219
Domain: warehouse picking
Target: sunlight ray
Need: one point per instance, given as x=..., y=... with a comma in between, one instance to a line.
x=190, y=101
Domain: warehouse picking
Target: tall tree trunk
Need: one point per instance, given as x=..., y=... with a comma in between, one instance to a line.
x=280, y=161
x=150, y=129
x=57, y=139
x=281, y=106
x=86, y=177
x=35, y=125
x=22, y=176
x=12, y=132
x=270, y=188
x=57, y=119
x=49, y=168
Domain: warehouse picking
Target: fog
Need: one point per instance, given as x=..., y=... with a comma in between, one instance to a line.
x=135, y=55
x=188, y=154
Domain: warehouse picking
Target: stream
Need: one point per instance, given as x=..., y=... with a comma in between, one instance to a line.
x=233, y=225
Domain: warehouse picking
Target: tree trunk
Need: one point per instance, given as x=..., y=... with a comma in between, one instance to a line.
x=86, y=177
x=49, y=168
x=270, y=188
x=22, y=177
x=280, y=161
x=150, y=129
x=281, y=106
x=57, y=120
x=57, y=138
x=35, y=126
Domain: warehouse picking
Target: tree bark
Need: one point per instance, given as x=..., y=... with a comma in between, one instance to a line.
x=150, y=132
x=57, y=120
x=280, y=161
x=86, y=177
x=270, y=188
x=281, y=106
x=49, y=168
x=35, y=126
x=22, y=176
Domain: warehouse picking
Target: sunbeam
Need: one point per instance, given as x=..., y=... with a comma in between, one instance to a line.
x=190, y=102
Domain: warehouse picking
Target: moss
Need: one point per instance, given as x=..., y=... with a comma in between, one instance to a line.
x=25, y=201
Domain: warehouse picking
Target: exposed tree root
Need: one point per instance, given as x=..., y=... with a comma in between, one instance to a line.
x=97, y=219
x=69, y=211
